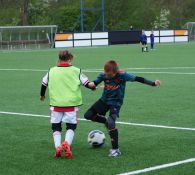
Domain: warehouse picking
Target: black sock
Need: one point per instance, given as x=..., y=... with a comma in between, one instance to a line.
x=114, y=138
x=99, y=118
x=142, y=49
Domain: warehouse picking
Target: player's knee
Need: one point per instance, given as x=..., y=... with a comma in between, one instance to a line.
x=110, y=124
x=88, y=115
x=56, y=127
x=71, y=126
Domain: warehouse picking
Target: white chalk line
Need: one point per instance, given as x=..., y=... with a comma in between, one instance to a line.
x=118, y=122
x=133, y=124
x=136, y=72
x=6, y=51
x=30, y=70
x=153, y=68
x=167, y=73
x=163, y=166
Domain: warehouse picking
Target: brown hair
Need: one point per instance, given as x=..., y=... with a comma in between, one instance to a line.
x=65, y=55
x=111, y=66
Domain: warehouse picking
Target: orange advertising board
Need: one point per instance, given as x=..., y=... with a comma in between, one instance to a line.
x=63, y=36
x=181, y=32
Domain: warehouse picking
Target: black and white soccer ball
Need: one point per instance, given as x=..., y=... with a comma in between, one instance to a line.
x=96, y=138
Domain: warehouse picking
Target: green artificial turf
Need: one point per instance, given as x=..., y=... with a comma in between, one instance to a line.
x=26, y=144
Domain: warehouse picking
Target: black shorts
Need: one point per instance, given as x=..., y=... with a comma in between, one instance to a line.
x=102, y=108
x=144, y=42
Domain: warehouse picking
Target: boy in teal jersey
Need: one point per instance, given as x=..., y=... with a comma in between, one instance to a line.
x=64, y=82
x=112, y=99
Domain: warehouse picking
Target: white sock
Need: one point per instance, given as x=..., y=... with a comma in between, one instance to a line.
x=57, y=138
x=69, y=136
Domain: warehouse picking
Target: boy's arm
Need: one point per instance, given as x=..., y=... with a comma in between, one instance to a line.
x=96, y=82
x=99, y=79
x=85, y=82
x=148, y=82
x=131, y=77
x=44, y=87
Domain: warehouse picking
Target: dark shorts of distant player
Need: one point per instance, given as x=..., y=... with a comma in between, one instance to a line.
x=144, y=42
x=102, y=108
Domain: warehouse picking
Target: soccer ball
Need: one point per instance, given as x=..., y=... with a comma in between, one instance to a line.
x=96, y=138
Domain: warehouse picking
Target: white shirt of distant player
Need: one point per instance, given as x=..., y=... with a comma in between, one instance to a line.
x=83, y=78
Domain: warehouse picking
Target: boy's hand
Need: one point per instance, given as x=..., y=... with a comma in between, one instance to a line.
x=102, y=86
x=92, y=85
x=42, y=98
x=157, y=82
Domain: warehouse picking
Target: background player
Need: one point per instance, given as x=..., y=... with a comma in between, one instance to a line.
x=64, y=82
x=112, y=99
x=143, y=42
x=152, y=40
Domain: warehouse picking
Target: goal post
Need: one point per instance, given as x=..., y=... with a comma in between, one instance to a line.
x=27, y=37
x=191, y=28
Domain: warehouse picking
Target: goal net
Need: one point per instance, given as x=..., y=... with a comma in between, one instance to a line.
x=191, y=28
x=27, y=37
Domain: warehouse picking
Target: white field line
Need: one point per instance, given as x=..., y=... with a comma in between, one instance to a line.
x=148, y=68
x=159, y=167
x=30, y=70
x=47, y=49
x=158, y=68
x=167, y=73
x=102, y=47
x=98, y=71
x=134, y=124
x=119, y=122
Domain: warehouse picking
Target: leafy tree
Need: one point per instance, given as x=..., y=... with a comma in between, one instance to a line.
x=38, y=13
x=119, y=14
x=162, y=21
x=25, y=12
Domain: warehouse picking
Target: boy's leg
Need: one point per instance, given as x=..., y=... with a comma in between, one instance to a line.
x=70, y=118
x=111, y=125
x=146, y=46
x=142, y=47
x=69, y=136
x=97, y=112
x=113, y=131
x=152, y=45
x=56, y=118
x=56, y=127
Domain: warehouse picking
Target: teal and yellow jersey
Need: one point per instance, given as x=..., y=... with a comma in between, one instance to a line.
x=114, y=88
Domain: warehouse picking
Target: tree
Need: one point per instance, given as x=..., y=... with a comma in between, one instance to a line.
x=38, y=13
x=25, y=12
x=162, y=21
x=119, y=14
